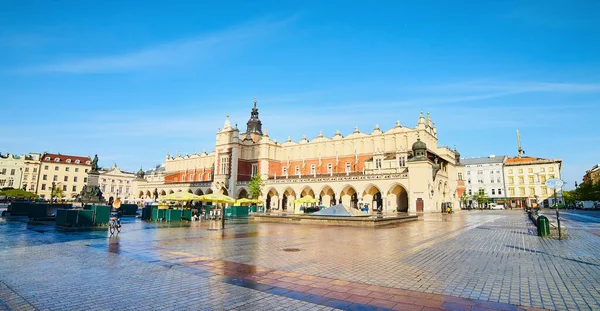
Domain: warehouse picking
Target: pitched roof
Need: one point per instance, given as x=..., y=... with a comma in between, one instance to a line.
x=530, y=160
x=63, y=158
x=482, y=160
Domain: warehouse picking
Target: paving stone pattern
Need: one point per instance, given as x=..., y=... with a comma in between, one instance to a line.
x=477, y=260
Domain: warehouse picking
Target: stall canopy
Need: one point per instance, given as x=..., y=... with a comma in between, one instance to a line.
x=180, y=196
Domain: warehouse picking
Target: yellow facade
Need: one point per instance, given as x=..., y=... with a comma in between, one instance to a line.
x=70, y=173
x=378, y=169
x=526, y=178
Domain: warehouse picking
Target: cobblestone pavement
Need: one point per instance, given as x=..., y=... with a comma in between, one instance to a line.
x=470, y=260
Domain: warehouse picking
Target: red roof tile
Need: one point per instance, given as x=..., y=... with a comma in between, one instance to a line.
x=63, y=158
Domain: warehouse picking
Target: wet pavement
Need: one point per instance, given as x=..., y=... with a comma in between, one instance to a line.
x=469, y=260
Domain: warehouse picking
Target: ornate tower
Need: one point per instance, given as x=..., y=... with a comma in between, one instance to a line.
x=254, y=126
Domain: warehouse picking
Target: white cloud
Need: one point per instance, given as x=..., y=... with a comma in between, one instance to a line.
x=173, y=53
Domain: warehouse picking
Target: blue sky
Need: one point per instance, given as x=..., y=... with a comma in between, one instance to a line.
x=133, y=80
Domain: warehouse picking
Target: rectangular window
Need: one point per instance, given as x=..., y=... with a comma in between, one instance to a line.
x=542, y=169
x=112, y=188
x=66, y=178
x=511, y=191
x=120, y=189
x=46, y=167
x=460, y=176
x=86, y=170
x=493, y=191
x=27, y=169
x=498, y=180
x=521, y=180
x=56, y=168
x=511, y=180
x=530, y=170
x=510, y=171
x=66, y=169
x=329, y=168
x=43, y=186
x=522, y=191
x=103, y=188
x=402, y=161
x=284, y=171
x=520, y=171
x=481, y=191
x=297, y=170
x=84, y=179
x=74, y=188
x=76, y=169
x=127, y=190
x=531, y=190
x=469, y=181
x=312, y=169
x=378, y=163
x=347, y=167
x=75, y=179
x=468, y=172
x=470, y=192
x=12, y=171
x=543, y=179
x=551, y=169
x=34, y=177
x=64, y=187
x=551, y=176
x=55, y=178
x=492, y=180
x=224, y=165
x=531, y=180
x=25, y=177
x=11, y=182
x=35, y=169
x=2, y=182
x=254, y=169
x=45, y=177
x=544, y=190
x=499, y=191
x=479, y=172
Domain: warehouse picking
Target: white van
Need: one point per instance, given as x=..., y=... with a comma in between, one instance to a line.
x=496, y=206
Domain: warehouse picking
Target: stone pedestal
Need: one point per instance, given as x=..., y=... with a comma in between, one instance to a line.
x=91, y=192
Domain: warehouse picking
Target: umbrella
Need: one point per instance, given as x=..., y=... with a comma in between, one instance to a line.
x=180, y=196
x=217, y=198
x=244, y=201
x=306, y=199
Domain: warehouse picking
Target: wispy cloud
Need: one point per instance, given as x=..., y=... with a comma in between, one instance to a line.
x=168, y=54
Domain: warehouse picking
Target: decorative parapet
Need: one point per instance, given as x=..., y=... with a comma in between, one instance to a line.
x=335, y=178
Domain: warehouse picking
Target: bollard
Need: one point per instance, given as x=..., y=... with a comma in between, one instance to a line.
x=543, y=226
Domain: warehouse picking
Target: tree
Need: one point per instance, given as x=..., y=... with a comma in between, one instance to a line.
x=464, y=199
x=569, y=196
x=255, y=185
x=480, y=198
x=18, y=193
x=57, y=192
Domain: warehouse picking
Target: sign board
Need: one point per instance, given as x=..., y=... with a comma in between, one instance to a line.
x=554, y=183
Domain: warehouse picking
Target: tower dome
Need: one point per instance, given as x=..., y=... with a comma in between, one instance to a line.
x=419, y=150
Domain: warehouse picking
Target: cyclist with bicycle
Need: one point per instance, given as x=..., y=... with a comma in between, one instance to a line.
x=116, y=214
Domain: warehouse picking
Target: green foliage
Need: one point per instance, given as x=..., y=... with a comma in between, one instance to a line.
x=18, y=193
x=57, y=192
x=480, y=198
x=255, y=186
x=569, y=196
x=587, y=192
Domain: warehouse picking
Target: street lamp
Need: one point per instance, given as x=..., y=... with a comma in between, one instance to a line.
x=52, y=193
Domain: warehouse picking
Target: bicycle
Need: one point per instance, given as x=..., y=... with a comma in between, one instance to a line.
x=114, y=223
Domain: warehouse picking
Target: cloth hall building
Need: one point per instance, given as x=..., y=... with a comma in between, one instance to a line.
x=398, y=169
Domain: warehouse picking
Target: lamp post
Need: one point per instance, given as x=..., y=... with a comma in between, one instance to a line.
x=52, y=193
